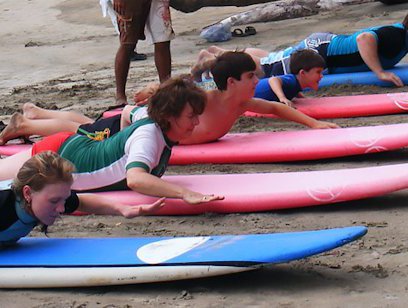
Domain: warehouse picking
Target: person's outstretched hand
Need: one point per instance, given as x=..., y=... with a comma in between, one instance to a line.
x=391, y=77
x=130, y=211
x=324, y=124
x=192, y=197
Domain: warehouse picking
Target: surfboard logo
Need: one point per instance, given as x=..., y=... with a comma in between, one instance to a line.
x=399, y=99
x=368, y=139
x=164, y=250
x=325, y=194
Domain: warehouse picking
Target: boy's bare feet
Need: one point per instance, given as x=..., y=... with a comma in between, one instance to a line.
x=30, y=111
x=13, y=129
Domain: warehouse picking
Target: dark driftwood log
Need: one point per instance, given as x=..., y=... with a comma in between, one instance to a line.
x=188, y=6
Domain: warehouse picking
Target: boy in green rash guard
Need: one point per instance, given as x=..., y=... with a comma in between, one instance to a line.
x=41, y=192
x=135, y=157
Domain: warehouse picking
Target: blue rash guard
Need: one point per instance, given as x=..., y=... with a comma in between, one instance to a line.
x=278, y=63
x=290, y=86
x=341, y=51
x=15, y=221
x=343, y=55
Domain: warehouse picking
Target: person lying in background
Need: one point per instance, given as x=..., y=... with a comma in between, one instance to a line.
x=134, y=158
x=376, y=48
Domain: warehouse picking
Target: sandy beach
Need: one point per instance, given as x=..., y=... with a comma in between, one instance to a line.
x=59, y=54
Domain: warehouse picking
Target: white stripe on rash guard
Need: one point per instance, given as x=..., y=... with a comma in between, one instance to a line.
x=145, y=146
x=138, y=113
x=104, y=177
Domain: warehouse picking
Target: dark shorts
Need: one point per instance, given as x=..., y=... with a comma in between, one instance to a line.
x=273, y=69
x=50, y=143
x=132, y=24
x=101, y=129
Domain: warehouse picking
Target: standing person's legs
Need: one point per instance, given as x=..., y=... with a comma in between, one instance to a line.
x=162, y=59
x=122, y=63
x=161, y=31
x=131, y=28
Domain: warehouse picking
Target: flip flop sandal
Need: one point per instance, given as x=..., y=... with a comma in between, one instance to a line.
x=238, y=33
x=250, y=31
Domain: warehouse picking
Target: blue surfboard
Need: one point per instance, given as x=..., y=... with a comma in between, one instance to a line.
x=365, y=78
x=356, y=78
x=39, y=262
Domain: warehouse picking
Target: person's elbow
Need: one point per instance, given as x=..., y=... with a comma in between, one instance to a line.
x=136, y=181
x=365, y=38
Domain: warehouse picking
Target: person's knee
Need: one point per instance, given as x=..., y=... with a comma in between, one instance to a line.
x=213, y=49
x=204, y=53
x=126, y=48
x=162, y=47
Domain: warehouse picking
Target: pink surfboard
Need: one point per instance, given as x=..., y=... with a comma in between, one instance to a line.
x=274, y=191
x=11, y=149
x=338, y=106
x=111, y=113
x=294, y=145
x=286, y=146
x=349, y=106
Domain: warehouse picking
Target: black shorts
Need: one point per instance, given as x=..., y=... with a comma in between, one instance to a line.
x=102, y=128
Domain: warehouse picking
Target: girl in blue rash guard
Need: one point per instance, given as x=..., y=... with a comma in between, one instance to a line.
x=41, y=191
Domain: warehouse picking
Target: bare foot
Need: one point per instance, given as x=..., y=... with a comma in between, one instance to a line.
x=204, y=62
x=12, y=130
x=30, y=111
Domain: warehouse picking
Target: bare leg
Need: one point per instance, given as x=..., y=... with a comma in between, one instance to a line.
x=257, y=52
x=204, y=62
x=10, y=166
x=162, y=59
x=21, y=126
x=11, y=130
x=256, y=55
x=125, y=116
x=122, y=62
x=216, y=51
x=32, y=111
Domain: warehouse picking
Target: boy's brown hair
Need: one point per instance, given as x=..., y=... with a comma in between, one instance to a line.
x=171, y=98
x=231, y=64
x=305, y=59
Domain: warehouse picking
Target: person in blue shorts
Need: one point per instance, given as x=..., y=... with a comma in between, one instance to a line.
x=307, y=70
x=376, y=48
x=41, y=192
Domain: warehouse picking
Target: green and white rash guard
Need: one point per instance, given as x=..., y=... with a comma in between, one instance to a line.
x=102, y=165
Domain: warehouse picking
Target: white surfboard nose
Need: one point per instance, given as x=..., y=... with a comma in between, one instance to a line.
x=162, y=251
